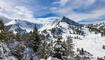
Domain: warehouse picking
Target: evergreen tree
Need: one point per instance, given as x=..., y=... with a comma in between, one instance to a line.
x=82, y=51
x=47, y=36
x=69, y=47
x=45, y=48
x=3, y=33
x=18, y=36
x=58, y=48
x=103, y=47
x=42, y=48
x=103, y=33
x=34, y=39
x=49, y=48
x=1, y=25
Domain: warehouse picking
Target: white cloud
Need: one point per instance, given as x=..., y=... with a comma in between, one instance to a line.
x=75, y=3
x=61, y=2
x=46, y=20
x=19, y=12
x=68, y=11
x=28, y=9
x=81, y=16
x=67, y=5
x=14, y=9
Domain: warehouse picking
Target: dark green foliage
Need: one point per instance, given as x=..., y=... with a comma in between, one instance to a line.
x=47, y=36
x=3, y=33
x=35, y=29
x=53, y=30
x=31, y=58
x=1, y=25
x=69, y=47
x=34, y=39
x=45, y=48
x=103, y=33
x=85, y=58
x=77, y=30
x=82, y=51
x=44, y=31
x=93, y=28
x=58, y=31
x=18, y=52
x=58, y=48
x=103, y=47
x=100, y=58
x=4, y=36
x=49, y=48
x=18, y=36
x=42, y=49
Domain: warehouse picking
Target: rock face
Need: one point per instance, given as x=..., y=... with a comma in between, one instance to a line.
x=67, y=20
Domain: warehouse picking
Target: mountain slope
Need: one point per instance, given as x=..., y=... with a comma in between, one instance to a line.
x=59, y=22
x=90, y=39
x=21, y=26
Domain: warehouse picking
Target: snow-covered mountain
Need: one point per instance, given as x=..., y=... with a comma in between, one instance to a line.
x=24, y=26
x=60, y=21
x=21, y=26
x=89, y=37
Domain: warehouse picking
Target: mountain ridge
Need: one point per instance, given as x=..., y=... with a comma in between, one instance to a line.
x=90, y=37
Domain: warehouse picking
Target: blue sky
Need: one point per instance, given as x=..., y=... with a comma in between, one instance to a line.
x=77, y=10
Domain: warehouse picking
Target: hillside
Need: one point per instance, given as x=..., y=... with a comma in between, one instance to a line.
x=89, y=36
x=21, y=26
x=64, y=34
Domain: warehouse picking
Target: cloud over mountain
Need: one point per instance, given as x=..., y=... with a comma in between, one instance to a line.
x=74, y=9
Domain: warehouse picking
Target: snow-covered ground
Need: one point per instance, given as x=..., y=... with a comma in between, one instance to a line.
x=92, y=43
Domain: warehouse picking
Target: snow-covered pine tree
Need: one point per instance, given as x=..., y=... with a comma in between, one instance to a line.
x=42, y=48
x=69, y=47
x=34, y=39
x=58, y=48
x=3, y=33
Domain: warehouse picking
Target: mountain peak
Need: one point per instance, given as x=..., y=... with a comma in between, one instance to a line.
x=69, y=21
x=64, y=17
